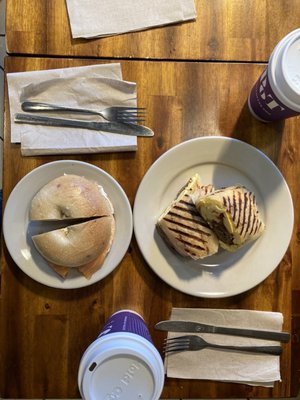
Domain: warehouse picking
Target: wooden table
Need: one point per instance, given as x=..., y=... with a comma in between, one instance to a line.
x=44, y=331
x=236, y=30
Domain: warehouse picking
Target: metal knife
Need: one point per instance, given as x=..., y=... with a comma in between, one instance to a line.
x=189, y=326
x=113, y=127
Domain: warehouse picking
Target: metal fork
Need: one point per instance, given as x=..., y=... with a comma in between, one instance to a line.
x=117, y=113
x=193, y=342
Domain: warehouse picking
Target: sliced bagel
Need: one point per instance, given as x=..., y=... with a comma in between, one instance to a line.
x=88, y=269
x=77, y=245
x=68, y=197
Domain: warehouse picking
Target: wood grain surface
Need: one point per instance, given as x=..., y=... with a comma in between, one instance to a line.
x=44, y=331
x=239, y=30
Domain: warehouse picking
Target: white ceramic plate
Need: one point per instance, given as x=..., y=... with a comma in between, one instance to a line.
x=16, y=223
x=223, y=162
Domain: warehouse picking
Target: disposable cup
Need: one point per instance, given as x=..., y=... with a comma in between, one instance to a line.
x=276, y=94
x=122, y=363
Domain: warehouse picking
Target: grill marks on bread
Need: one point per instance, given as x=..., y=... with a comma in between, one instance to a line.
x=201, y=218
x=184, y=228
x=187, y=226
x=243, y=209
x=233, y=214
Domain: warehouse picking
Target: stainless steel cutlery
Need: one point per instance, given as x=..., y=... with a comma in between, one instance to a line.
x=115, y=114
x=190, y=326
x=113, y=127
x=193, y=342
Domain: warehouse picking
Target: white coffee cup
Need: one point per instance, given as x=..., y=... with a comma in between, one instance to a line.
x=122, y=363
x=276, y=94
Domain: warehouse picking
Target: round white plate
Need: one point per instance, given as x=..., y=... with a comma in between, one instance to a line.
x=16, y=223
x=223, y=162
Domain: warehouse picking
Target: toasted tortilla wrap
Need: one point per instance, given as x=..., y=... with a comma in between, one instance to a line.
x=233, y=215
x=182, y=226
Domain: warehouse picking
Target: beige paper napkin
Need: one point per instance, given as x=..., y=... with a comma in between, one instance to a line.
x=94, y=18
x=94, y=87
x=217, y=365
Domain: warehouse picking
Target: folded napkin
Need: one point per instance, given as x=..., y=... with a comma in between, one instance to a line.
x=94, y=18
x=92, y=87
x=218, y=365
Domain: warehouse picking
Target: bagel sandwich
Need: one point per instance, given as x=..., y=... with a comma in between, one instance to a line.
x=83, y=246
x=69, y=197
x=78, y=224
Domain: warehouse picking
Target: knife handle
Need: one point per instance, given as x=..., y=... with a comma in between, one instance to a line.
x=50, y=121
x=272, y=350
x=259, y=334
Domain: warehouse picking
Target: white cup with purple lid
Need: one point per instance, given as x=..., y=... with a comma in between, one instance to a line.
x=122, y=363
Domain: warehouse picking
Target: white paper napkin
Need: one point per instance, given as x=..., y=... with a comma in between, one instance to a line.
x=95, y=87
x=94, y=18
x=217, y=365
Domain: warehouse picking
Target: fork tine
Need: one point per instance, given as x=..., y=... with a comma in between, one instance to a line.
x=130, y=118
x=174, y=344
x=124, y=116
x=175, y=349
x=121, y=108
x=129, y=115
x=177, y=339
x=130, y=121
x=131, y=112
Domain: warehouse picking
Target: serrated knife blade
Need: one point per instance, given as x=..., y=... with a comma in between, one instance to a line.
x=190, y=326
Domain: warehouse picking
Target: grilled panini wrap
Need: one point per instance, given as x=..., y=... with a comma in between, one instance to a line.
x=233, y=215
x=183, y=227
